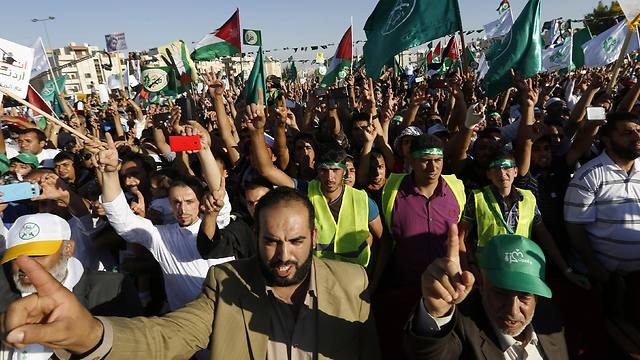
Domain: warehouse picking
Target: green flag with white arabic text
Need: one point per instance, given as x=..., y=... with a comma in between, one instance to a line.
x=396, y=25
x=520, y=50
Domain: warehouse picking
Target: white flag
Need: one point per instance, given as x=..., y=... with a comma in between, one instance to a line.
x=606, y=47
x=483, y=67
x=499, y=27
x=40, y=63
x=559, y=57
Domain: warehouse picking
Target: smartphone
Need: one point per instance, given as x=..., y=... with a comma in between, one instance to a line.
x=184, y=143
x=19, y=191
x=339, y=93
x=162, y=118
x=438, y=84
x=187, y=108
x=319, y=92
x=596, y=113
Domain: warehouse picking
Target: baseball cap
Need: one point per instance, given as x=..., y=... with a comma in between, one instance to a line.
x=36, y=235
x=554, y=100
x=437, y=128
x=27, y=159
x=515, y=263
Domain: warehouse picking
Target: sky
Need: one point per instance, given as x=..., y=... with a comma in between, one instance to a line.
x=284, y=23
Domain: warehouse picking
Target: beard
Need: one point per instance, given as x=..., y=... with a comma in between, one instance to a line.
x=301, y=271
x=59, y=272
x=624, y=152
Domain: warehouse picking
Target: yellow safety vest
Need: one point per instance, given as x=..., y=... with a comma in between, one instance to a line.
x=390, y=191
x=490, y=221
x=345, y=240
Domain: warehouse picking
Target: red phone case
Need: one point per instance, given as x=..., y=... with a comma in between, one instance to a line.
x=184, y=143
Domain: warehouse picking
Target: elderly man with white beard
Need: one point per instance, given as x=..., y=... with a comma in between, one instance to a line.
x=506, y=317
x=47, y=239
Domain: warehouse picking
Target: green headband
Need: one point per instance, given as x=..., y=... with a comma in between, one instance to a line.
x=502, y=164
x=428, y=151
x=332, y=164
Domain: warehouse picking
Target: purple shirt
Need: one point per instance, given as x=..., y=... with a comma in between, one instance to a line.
x=419, y=229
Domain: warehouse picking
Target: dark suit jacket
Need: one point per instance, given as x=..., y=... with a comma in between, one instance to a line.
x=471, y=336
x=232, y=318
x=103, y=293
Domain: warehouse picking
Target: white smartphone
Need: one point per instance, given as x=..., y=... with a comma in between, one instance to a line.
x=596, y=113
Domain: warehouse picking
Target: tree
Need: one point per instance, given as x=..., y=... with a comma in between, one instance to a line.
x=603, y=17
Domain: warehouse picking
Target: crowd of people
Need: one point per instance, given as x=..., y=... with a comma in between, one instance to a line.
x=407, y=216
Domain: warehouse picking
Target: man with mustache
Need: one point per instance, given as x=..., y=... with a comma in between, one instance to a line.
x=284, y=303
x=497, y=320
x=601, y=209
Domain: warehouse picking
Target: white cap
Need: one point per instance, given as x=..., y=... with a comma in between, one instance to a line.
x=552, y=101
x=36, y=235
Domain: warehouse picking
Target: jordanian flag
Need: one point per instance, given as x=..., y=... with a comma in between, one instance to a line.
x=340, y=62
x=225, y=41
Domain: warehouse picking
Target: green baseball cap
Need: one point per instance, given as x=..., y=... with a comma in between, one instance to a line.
x=4, y=163
x=516, y=263
x=28, y=159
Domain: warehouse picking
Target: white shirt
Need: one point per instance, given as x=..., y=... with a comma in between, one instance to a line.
x=174, y=247
x=45, y=158
x=606, y=200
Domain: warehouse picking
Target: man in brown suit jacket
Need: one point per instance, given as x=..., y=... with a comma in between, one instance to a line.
x=283, y=304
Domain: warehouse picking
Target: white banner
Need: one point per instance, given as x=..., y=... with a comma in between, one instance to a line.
x=16, y=62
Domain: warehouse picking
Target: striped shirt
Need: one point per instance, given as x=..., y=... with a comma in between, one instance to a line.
x=606, y=200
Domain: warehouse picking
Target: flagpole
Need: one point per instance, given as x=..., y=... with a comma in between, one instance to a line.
x=465, y=62
x=618, y=65
x=47, y=116
x=351, y=64
x=120, y=71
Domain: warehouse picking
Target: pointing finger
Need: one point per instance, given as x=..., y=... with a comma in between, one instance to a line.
x=453, y=243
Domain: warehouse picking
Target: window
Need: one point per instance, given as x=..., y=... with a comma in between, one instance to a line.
x=87, y=75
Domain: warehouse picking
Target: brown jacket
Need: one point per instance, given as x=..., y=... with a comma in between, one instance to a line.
x=470, y=336
x=232, y=318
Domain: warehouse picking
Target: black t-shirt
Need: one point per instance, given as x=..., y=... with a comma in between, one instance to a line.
x=549, y=186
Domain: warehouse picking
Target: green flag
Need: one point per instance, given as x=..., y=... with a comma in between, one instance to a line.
x=49, y=89
x=159, y=79
x=56, y=104
x=255, y=80
x=251, y=37
x=396, y=25
x=579, y=39
x=520, y=50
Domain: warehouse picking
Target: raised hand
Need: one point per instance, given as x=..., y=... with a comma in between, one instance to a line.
x=52, y=316
x=52, y=188
x=138, y=205
x=106, y=160
x=445, y=283
x=215, y=84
